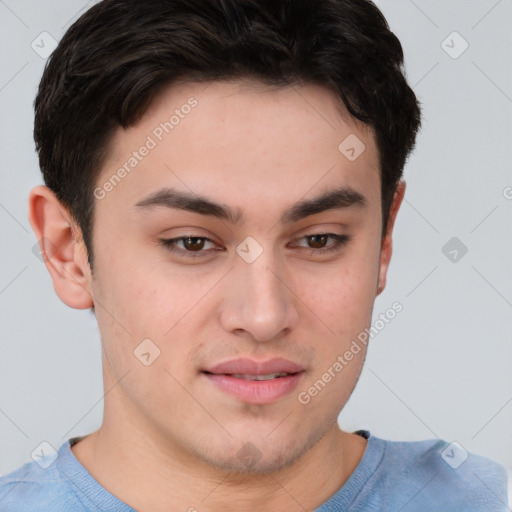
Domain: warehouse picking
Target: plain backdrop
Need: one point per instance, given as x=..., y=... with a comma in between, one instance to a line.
x=441, y=368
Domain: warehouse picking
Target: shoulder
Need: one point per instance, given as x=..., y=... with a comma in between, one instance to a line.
x=438, y=471
x=36, y=487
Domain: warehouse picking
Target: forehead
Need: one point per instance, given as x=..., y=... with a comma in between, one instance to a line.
x=236, y=141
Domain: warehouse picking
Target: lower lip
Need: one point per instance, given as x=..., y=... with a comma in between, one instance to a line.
x=256, y=391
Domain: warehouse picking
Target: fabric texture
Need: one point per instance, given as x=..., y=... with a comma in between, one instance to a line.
x=409, y=476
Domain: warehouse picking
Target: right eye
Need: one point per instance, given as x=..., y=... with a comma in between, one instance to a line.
x=193, y=245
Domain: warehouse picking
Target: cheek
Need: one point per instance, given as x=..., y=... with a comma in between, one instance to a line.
x=139, y=315
x=163, y=300
x=332, y=382
x=131, y=287
x=162, y=305
x=342, y=295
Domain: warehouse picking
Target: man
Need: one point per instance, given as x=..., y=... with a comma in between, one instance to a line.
x=222, y=180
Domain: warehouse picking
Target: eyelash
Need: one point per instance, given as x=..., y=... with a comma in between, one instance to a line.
x=339, y=242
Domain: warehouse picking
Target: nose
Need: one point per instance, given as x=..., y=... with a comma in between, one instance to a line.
x=259, y=299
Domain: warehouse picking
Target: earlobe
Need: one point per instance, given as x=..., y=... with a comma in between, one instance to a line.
x=387, y=242
x=62, y=247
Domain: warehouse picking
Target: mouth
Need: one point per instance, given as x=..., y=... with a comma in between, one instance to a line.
x=249, y=367
x=246, y=376
x=256, y=383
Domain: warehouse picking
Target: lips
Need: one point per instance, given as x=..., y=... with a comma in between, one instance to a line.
x=268, y=376
x=256, y=370
x=256, y=382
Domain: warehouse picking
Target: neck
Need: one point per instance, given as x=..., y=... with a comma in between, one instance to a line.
x=153, y=474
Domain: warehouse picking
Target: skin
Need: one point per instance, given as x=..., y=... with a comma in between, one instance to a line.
x=169, y=438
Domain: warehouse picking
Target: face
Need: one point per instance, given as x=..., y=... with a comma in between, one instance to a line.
x=268, y=272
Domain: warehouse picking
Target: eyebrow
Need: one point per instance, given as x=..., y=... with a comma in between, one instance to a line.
x=338, y=198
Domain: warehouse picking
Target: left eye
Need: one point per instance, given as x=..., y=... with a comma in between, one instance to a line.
x=194, y=245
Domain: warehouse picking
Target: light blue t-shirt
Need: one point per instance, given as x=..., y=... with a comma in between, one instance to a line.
x=412, y=476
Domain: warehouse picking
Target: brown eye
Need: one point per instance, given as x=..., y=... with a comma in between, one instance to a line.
x=193, y=243
x=194, y=246
x=318, y=241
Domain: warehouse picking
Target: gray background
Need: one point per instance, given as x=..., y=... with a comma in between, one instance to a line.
x=441, y=368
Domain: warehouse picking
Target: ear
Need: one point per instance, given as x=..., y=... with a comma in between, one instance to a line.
x=62, y=248
x=387, y=243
